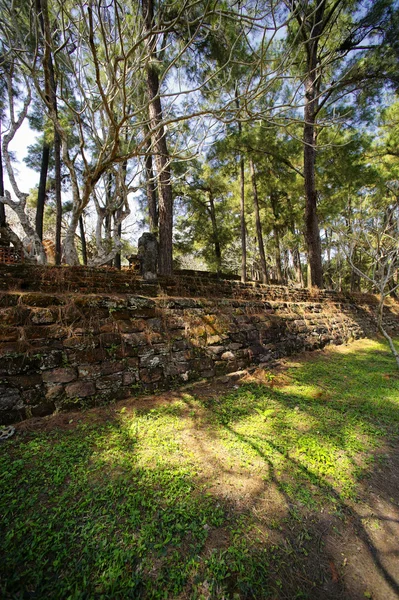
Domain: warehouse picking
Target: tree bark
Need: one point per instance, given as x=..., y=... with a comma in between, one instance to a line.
x=118, y=258
x=383, y=331
x=83, y=240
x=51, y=97
x=215, y=232
x=312, y=85
x=58, y=199
x=259, y=234
x=243, y=226
x=151, y=190
x=41, y=194
x=296, y=256
x=309, y=159
x=276, y=233
x=161, y=154
x=2, y=207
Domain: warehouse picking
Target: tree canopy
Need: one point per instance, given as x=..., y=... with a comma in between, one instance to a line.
x=252, y=133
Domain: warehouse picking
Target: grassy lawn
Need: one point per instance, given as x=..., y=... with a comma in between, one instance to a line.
x=257, y=489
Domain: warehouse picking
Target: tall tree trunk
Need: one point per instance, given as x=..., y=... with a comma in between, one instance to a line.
x=58, y=199
x=41, y=193
x=51, y=96
x=259, y=234
x=215, y=232
x=2, y=207
x=276, y=234
x=312, y=86
x=151, y=190
x=243, y=226
x=162, y=159
x=309, y=158
x=277, y=255
x=296, y=256
x=83, y=240
x=296, y=259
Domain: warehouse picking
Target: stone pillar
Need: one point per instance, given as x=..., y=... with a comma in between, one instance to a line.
x=148, y=256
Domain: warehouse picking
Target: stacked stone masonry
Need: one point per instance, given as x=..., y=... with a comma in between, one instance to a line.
x=70, y=346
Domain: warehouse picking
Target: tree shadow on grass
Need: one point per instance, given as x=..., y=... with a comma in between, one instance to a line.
x=237, y=496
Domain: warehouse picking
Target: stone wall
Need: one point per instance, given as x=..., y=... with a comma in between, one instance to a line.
x=67, y=349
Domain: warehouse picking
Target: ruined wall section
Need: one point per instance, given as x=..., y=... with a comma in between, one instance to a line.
x=63, y=351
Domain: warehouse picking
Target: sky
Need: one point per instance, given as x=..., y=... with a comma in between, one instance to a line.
x=26, y=178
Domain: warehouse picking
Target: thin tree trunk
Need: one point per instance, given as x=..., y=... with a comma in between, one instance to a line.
x=380, y=325
x=215, y=231
x=162, y=159
x=118, y=258
x=41, y=194
x=276, y=233
x=58, y=199
x=2, y=207
x=277, y=255
x=296, y=256
x=242, y=223
x=83, y=240
x=259, y=234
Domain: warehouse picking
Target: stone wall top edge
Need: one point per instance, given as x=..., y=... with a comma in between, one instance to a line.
x=26, y=297
x=13, y=280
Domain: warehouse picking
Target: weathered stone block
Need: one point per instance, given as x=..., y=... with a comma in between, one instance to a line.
x=180, y=345
x=54, y=392
x=107, y=328
x=10, y=398
x=131, y=325
x=215, y=350
x=9, y=299
x=227, y=355
x=32, y=397
x=8, y=334
x=150, y=375
x=132, y=362
x=42, y=300
x=80, y=389
x=128, y=378
x=112, y=366
x=61, y=375
x=151, y=361
x=92, y=356
x=25, y=382
x=174, y=369
x=161, y=348
x=43, y=409
x=50, y=359
x=70, y=314
x=89, y=371
x=134, y=339
x=110, y=382
x=142, y=307
x=207, y=373
x=155, y=324
x=42, y=316
x=110, y=339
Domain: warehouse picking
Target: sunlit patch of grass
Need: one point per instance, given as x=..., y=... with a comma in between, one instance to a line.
x=124, y=509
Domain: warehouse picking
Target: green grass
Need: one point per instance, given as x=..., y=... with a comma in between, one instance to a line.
x=204, y=497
